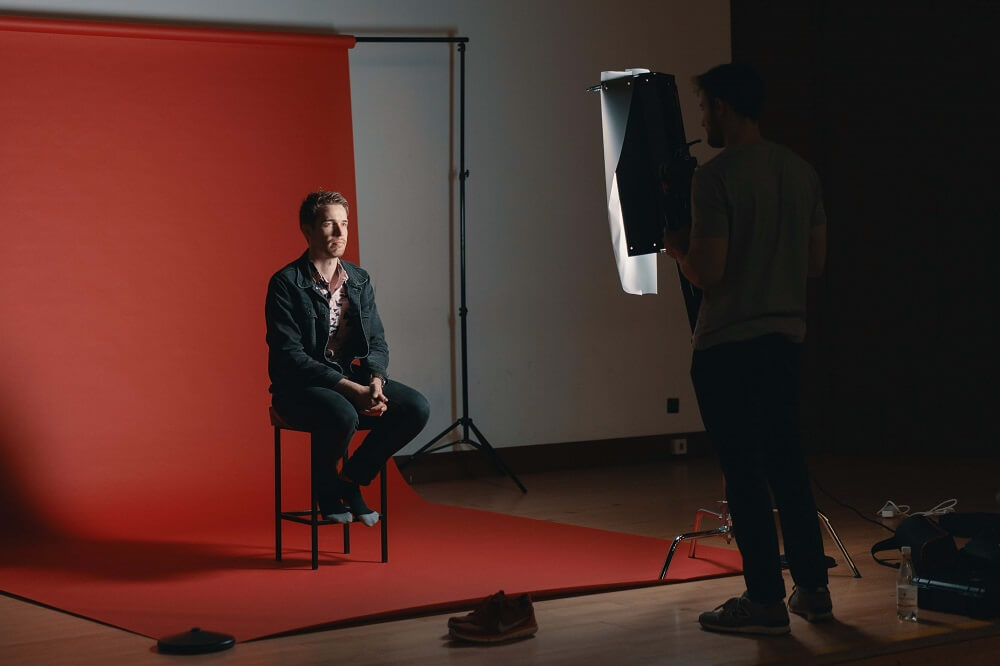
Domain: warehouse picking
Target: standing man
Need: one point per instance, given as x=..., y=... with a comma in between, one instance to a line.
x=758, y=231
x=328, y=361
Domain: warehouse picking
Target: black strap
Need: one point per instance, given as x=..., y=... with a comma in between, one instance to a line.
x=892, y=543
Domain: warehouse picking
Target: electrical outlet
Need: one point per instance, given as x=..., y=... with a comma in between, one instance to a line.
x=679, y=446
x=673, y=405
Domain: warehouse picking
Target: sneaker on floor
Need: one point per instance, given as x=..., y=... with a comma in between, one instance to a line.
x=499, y=619
x=479, y=611
x=743, y=616
x=812, y=604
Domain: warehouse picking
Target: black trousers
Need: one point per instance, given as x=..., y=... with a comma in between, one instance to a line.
x=333, y=420
x=748, y=393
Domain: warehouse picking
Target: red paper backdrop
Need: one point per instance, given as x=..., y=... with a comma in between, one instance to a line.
x=149, y=186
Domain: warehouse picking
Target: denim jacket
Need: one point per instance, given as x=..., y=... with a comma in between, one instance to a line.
x=298, y=327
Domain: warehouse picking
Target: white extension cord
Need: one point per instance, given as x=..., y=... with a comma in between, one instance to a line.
x=891, y=509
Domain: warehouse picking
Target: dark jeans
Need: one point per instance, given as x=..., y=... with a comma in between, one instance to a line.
x=333, y=420
x=748, y=392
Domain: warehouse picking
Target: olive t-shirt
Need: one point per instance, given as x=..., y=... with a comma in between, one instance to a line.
x=765, y=199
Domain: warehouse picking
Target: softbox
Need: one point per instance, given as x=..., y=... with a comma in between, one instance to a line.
x=648, y=170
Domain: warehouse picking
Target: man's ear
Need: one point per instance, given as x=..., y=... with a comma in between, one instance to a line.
x=720, y=109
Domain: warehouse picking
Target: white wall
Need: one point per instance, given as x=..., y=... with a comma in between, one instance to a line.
x=557, y=352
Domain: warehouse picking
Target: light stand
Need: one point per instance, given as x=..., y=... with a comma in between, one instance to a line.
x=480, y=443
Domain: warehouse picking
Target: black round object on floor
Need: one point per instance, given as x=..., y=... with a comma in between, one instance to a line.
x=195, y=641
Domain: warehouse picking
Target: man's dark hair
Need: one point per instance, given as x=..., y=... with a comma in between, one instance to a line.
x=737, y=85
x=317, y=200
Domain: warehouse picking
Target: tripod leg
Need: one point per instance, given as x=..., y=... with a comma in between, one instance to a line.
x=840, y=544
x=670, y=555
x=423, y=449
x=697, y=528
x=719, y=531
x=491, y=452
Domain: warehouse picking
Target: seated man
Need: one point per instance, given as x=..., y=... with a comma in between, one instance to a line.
x=327, y=361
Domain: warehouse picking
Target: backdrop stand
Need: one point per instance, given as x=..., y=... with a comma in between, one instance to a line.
x=465, y=421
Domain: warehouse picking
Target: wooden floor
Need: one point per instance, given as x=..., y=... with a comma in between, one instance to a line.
x=655, y=625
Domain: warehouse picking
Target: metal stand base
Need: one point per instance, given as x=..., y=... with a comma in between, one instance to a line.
x=482, y=445
x=726, y=530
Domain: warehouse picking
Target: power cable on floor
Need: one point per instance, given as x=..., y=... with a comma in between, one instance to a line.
x=848, y=506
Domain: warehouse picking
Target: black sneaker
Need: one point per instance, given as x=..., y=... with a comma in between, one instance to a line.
x=743, y=616
x=499, y=619
x=479, y=611
x=812, y=604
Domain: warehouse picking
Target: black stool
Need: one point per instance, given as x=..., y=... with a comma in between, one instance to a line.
x=315, y=519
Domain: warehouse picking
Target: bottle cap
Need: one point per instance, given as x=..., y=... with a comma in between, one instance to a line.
x=905, y=550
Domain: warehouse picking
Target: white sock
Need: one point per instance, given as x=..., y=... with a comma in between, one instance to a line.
x=369, y=519
x=345, y=517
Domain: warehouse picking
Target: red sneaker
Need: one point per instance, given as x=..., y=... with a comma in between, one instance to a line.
x=499, y=618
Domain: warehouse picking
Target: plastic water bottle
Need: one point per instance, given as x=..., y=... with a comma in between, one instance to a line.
x=906, y=590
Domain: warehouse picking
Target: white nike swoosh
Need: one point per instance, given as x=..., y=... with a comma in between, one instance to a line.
x=504, y=627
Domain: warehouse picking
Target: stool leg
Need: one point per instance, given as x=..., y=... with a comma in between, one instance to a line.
x=314, y=514
x=382, y=508
x=347, y=526
x=277, y=494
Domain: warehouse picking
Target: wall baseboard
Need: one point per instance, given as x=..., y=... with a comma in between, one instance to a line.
x=470, y=463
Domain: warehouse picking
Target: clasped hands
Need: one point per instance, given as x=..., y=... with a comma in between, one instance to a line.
x=368, y=400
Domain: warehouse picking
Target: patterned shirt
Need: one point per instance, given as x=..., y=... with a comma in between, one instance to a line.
x=336, y=296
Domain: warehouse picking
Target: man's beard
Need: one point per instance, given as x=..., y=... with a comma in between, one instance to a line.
x=716, y=139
